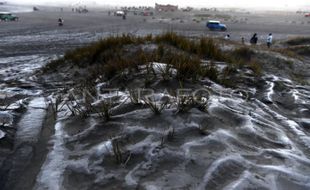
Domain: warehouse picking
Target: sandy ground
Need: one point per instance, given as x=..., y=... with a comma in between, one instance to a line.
x=258, y=148
x=38, y=31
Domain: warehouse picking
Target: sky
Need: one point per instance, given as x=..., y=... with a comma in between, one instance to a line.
x=271, y=4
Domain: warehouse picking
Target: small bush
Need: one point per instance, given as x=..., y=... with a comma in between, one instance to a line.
x=156, y=107
x=229, y=70
x=165, y=72
x=187, y=67
x=244, y=57
x=302, y=50
x=211, y=72
x=287, y=52
x=53, y=65
x=243, y=53
x=187, y=102
x=208, y=49
x=255, y=67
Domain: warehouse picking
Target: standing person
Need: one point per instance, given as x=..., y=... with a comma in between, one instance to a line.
x=254, y=39
x=269, y=40
x=242, y=40
x=60, y=22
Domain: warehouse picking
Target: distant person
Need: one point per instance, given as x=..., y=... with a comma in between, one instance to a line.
x=254, y=39
x=242, y=40
x=60, y=22
x=227, y=37
x=269, y=40
x=124, y=16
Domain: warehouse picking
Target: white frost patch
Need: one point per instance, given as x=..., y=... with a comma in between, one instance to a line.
x=14, y=106
x=13, y=91
x=161, y=67
x=140, y=146
x=6, y=118
x=151, y=187
x=2, y=134
x=212, y=170
x=284, y=171
x=295, y=94
x=82, y=134
x=292, y=125
x=232, y=104
x=51, y=174
x=110, y=98
x=30, y=126
x=104, y=148
x=240, y=182
x=296, y=129
x=220, y=136
x=130, y=178
x=247, y=180
x=270, y=91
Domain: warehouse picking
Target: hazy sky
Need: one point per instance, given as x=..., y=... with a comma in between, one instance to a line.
x=277, y=4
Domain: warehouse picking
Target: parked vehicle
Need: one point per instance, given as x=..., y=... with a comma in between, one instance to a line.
x=216, y=25
x=146, y=13
x=6, y=16
x=119, y=13
x=307, y=15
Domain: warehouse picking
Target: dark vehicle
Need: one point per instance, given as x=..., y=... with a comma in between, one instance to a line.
x=307, y=15
x=8, y=17
x=216, y=25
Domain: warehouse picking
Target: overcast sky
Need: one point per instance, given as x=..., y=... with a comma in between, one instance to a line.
x=277, y=4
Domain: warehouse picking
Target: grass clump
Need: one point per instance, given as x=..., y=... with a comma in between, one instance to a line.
x=205, y=47
x=122, y=55
x=96, y=53
x=211, y=72
x=289, y=52
x=245, y=57
x=156, y=107
x=299, y=41
x=243, y=53
x=187, y=67
x=187, y=102
x=301, y=50
x=255, y=67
